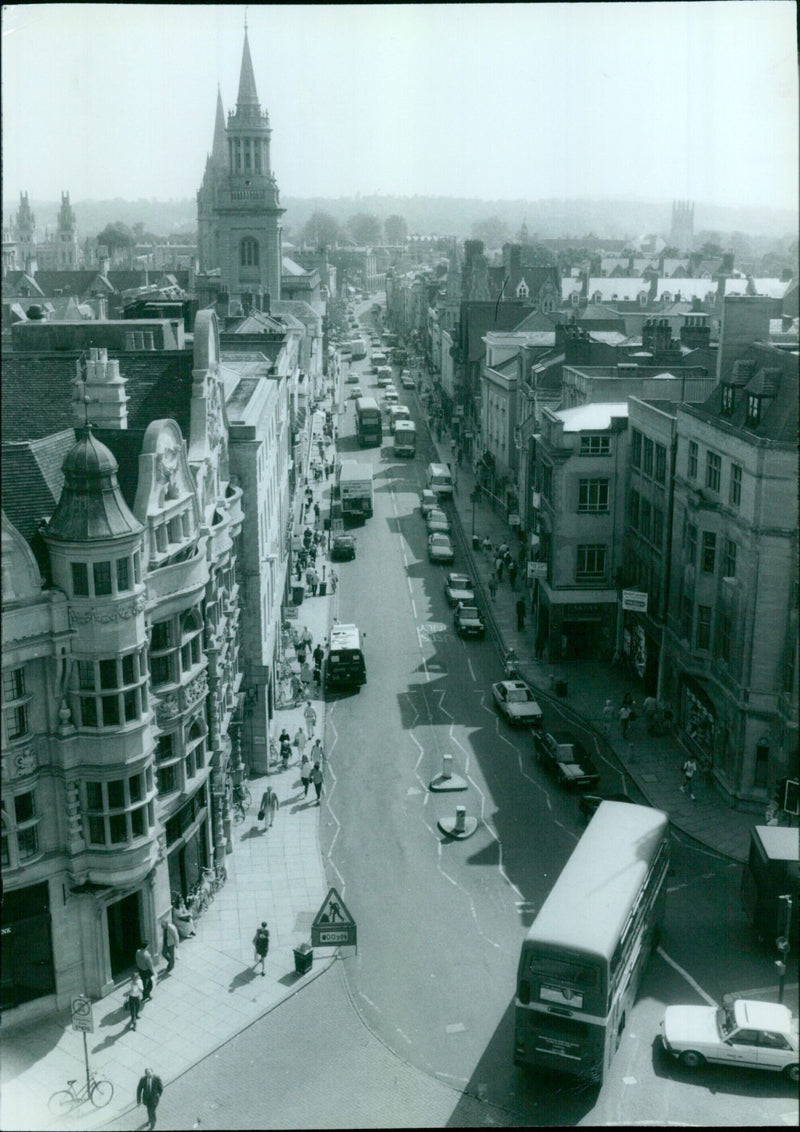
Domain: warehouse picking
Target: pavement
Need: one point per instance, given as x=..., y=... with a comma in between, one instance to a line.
x=215, y=990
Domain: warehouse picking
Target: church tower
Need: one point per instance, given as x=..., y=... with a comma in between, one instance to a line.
x=66, y=237
x=216, y=169
x=24, y=230
x=241, y=229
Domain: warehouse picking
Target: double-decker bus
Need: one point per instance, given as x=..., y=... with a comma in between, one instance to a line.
x=369, y=425
x=585, y=952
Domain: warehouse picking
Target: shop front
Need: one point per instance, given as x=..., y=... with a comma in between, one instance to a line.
x=28, y=970
x=188, y=842
x=576, y=631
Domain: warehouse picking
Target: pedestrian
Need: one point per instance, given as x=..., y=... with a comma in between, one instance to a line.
x=627, y=700
x=306, y=637
x=498, y=567
x=268, y=808
x=182, y=917
x=318, y=655
x=316, y=514
x=607, y=714
x=493, y=586
x=689, y=771
x=309, y=497
x=317, y=676
x=520, y=607
x=305, y=774
x=133, y=997
x=487, y=547
x=316, y=778
x=317, y=753
x=649, y=706
x=148, y=1093
x=512, y=573
x=300, y=653
x=312, y=580
x=333, y=579
x=261, y=945
x=624, y=720
x=307, y=537
x=312, y=555
x=311, y=719
x=146, y=968
x=305, y=676
x=286, y=754
x=300, y=739
x=170, y=943
x=503, y=549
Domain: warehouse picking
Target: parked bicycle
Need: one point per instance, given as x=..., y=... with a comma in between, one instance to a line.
x=98, y=1090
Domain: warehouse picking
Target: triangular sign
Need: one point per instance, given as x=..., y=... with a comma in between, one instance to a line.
x=333, y=911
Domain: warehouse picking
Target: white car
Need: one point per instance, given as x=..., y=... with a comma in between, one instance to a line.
x=755, y=1035
x=517, y=703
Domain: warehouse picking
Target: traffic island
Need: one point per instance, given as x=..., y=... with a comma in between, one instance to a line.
x=447, y=780
x=459, y=826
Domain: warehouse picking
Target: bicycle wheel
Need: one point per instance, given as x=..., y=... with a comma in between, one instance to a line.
x=62, y=1102
x=101, y=1092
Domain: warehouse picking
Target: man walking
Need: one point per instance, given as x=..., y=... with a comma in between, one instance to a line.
x=147, y=969
x=311, y=719
x=512, y=572
x=689, y=771
x=493, y=586
x=148, y=1093
x=316, y=778
x=624, y=720
x=170, y=943
x=520, y=607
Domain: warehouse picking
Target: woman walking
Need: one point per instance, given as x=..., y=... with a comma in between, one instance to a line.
x=133, y=997
x=316, y=778
x=305, y=774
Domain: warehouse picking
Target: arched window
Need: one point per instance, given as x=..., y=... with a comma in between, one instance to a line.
x=248, y=252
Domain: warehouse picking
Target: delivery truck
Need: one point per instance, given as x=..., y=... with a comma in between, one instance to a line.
x=355, y=490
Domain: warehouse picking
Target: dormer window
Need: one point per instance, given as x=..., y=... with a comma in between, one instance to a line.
x=727, y=400
x=753, y=409
x=522, y=290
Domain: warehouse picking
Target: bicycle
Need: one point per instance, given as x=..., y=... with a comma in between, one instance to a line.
x=242, y=794
x=99, y=1091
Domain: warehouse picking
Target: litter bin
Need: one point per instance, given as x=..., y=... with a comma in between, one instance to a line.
x=297, y=594
x=303, y=958
x=322, y=589
x=476, y=542
x=561, y=688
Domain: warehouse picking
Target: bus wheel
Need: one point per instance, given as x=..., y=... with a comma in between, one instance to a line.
x=692, y=1059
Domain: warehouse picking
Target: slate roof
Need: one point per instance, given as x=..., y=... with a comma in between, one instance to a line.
x=32, y=480
x=623, y=287
x=72, y=282
x=686, y=288
x=771, y=374
x=774, y=288
x=289, y=267
x=159, y=384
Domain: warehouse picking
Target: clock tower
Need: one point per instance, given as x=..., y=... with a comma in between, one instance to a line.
x=243, y=220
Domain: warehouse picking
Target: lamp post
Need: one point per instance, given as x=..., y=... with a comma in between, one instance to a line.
x=475, y=495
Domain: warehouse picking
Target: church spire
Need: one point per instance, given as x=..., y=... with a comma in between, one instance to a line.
x=248, y=96
x=219, y=150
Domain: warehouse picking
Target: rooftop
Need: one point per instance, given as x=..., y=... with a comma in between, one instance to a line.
x=594, y=417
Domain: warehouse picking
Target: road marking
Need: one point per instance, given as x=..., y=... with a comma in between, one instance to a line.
x=455, y=1028
x=471, y=669
x=405, y=1037
x=692, y=982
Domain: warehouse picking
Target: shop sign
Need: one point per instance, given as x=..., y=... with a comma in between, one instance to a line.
x=537, y=570
x=513, y=519
x=634, y=599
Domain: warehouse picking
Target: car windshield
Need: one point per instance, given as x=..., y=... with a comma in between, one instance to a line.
x=470, y=612
x=439, y=539
x=459, y=583
x=519, y=695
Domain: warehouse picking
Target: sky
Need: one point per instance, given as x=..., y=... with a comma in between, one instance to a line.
x=657, y=101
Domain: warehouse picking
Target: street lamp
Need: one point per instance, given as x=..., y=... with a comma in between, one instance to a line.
x=475, y=495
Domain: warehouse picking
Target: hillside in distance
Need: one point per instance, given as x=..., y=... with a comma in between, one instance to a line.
x=431, y=215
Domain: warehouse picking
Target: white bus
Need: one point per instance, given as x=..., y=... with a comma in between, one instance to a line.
x=405, y=438
x=585, y=952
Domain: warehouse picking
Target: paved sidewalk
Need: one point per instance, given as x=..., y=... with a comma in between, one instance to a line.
x=654, y=763
x=215, y=989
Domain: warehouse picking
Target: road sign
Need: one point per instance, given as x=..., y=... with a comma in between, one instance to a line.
x=82, y=1017
x=333, y=925
x=633, y=599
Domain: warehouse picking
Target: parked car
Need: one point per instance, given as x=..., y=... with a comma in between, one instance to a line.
x=467, y=621
x=567, y=758
x=407, y=381
x=458, y=587
x=355, y=392
x=437, y=520
x=440, y=548
x=590, y=802
x=352, y=378
x=343, y=548
x=756, y=1035
x=427, y=501
x=516, y=703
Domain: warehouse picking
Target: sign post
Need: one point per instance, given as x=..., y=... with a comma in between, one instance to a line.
x=333, y=925
x=83, y=1021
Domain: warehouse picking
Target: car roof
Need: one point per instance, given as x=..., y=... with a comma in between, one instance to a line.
x=514, y=684
x=439, y=536
x=456, y=579
x=762, y=1015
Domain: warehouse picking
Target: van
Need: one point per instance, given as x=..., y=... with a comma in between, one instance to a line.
x=440, y=480
x=344, y=664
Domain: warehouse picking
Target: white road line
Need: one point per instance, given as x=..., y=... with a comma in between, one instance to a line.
x=692, y=982
x=758, y=992
x=471, y=669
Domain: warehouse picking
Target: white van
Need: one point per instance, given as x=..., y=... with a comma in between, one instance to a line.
x=440, y=480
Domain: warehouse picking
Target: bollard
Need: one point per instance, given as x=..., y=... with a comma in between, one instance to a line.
x=447, y=766
x=461, y=819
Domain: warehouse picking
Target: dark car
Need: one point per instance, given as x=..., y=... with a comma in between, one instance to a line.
x=468, y=621
x=343, y=549
x=567, y=758
x=590, y=802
